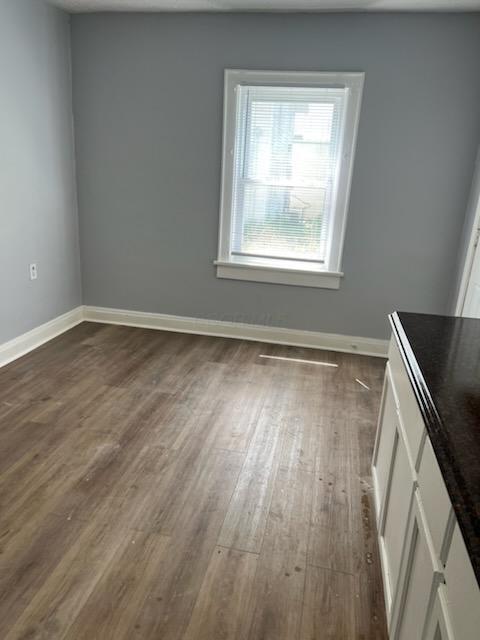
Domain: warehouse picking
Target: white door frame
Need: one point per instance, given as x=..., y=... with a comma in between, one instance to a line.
x=473, y=206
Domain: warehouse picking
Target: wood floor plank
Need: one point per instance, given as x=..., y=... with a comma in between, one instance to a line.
x=329, y=607
x=335, y=541
x=246, y=519
x=241, y=398
x=370, y=612
x=163, y=485
x=303, y=423
x=281, y=568
x=280, y=578
x=130, y=582
x=35, y=551
x=225, y=603
x=66, y=589
x=343, y=534
x=204, y=496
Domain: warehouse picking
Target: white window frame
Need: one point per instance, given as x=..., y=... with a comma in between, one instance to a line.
x=276, y=271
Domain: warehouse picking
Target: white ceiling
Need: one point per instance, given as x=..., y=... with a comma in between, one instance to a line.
x=268, y=5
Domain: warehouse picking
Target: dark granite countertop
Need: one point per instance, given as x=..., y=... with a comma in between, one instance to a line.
x=442, y=357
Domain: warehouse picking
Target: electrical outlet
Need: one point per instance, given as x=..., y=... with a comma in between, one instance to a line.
x=33, y=271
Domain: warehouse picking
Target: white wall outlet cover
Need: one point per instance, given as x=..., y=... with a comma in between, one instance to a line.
x=33, y=271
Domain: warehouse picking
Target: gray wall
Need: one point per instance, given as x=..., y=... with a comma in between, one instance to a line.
x=148, y=116
x=38, y=219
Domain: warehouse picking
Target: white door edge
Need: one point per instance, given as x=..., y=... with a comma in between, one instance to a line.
x=473, y=203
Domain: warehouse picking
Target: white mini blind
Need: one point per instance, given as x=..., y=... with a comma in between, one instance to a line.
x=287, y=154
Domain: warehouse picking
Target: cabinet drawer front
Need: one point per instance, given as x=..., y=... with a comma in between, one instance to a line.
x=395, y=516
x=382, y=460
x=419, y=578
x=435, y=499
x=407, y=405
x=463, y=594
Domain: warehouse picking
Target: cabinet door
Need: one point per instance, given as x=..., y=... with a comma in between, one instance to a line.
x=419, y=579
x=435, y=498
x=394, y=515
x=463, y=594
x=382, y=456
x=438, y=625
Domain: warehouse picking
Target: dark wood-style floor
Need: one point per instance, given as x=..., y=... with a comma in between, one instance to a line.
x=164, y=486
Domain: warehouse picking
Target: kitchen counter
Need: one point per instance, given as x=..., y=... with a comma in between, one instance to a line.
x=442, y=359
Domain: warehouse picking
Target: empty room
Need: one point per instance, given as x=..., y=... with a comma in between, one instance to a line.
x=239, y=320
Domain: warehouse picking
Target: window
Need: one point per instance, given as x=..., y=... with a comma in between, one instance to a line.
x=287, y=160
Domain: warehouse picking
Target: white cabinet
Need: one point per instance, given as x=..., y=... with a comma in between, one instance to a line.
x=431, y=592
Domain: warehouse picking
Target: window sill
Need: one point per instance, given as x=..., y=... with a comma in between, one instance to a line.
x=278, y=275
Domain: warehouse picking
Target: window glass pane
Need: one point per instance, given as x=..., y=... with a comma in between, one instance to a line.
x=286, y=158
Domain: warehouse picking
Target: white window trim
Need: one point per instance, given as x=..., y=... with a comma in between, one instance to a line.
x=230, y=267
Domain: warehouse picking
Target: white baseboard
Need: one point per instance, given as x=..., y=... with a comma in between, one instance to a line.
x=21, y=345
x=219, y=328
